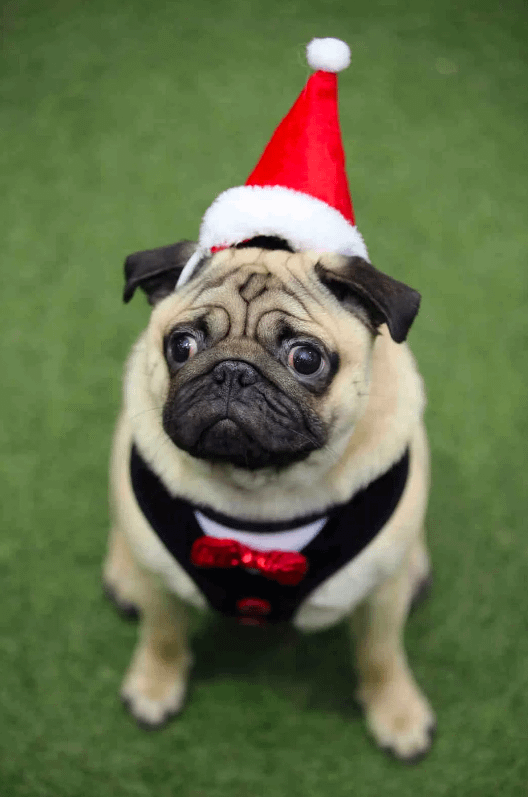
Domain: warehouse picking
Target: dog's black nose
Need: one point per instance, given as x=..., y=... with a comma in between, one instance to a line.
x=233, y=372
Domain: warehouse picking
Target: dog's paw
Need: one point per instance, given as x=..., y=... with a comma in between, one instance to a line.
x=150, y=705
x=400, y=719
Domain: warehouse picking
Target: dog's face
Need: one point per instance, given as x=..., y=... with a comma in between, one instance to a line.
x=263, y=357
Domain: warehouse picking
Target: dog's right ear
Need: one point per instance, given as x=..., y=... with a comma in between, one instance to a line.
x=156, y=271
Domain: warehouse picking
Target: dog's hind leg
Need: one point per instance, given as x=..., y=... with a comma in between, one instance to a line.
x=397, y=713
x=120, y=575
x=420, y=572
x=155, y=685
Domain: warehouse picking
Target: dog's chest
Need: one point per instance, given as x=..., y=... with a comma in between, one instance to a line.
x=264, y=574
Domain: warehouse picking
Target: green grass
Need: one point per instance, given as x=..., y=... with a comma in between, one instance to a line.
x=119, y=124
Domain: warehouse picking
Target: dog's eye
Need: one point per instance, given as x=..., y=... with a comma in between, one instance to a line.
x=181, y=347
x=305, y=360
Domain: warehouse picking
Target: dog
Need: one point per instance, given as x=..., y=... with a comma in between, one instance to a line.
x=271, y=461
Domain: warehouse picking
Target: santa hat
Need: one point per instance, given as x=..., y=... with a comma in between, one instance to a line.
x=298, y=190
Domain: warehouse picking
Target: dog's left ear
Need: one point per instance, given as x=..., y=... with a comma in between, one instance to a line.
x=385, y=299
x=156, y=271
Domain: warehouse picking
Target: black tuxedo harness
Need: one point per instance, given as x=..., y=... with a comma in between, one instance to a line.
x=250, y=595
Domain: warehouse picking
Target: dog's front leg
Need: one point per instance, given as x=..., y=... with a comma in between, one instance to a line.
x=156, y=683
x=397, y=713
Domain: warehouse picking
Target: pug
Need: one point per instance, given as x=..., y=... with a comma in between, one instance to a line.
x=270, y=462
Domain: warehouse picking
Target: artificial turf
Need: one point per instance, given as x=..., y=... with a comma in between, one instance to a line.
x=119, y=124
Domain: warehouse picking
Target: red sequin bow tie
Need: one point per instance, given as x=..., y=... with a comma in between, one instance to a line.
x=286, y=567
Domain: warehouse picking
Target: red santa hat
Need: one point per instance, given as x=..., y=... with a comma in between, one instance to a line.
x=298, y=190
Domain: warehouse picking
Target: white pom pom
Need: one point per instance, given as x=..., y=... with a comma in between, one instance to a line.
x=330, y=55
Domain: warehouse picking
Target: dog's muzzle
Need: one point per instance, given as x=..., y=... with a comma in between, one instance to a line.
x=234, y=414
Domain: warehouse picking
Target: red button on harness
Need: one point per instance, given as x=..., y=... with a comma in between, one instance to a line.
x=253, y=607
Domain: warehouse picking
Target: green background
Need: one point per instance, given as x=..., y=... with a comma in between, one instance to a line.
x=119, y=124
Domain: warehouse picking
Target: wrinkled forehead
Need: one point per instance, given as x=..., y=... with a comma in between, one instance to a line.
x=255, y=271
x=252, y=287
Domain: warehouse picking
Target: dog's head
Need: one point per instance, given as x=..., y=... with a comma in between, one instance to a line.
x=263, y=357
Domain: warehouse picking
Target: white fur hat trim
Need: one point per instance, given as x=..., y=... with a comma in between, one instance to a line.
x=306, y=223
